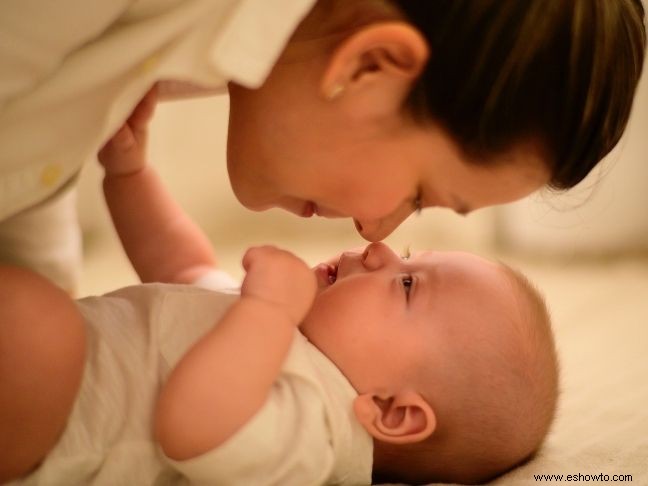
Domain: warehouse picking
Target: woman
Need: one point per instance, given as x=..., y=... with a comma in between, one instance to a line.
x=369, y=109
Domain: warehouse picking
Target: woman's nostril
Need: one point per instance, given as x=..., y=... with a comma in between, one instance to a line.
x=358, y=225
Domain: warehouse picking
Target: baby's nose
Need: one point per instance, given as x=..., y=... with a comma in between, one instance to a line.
x=377, y=255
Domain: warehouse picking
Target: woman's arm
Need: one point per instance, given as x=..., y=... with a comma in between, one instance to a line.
x=226, y=377
x=161, y=241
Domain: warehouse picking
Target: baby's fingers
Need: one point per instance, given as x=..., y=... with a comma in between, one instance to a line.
x=121, y=141
x=143, y=112
x=256, y=253
x=117, y=147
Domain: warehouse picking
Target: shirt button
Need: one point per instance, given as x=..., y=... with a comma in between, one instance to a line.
x=149, y=64
x=50, y=175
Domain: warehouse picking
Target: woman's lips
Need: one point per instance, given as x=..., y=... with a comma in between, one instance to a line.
x=309, y=210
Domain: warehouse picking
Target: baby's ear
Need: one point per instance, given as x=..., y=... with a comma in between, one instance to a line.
x=403, y=418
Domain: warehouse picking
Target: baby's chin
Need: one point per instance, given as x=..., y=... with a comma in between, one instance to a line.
x=312, y=338
x=309, y=329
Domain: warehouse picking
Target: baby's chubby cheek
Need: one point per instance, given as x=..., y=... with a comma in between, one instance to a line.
x=321, y=322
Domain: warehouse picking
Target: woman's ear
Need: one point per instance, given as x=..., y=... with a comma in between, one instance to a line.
x=371, y=71
x=403, y=418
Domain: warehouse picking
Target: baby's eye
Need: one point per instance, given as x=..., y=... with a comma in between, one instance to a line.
x=407, y=282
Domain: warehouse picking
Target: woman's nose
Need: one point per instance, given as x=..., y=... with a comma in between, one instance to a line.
x=379, y=229
x=378, y=255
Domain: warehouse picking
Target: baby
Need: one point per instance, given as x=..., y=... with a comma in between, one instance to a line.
x=440, y=367
x=368, y=368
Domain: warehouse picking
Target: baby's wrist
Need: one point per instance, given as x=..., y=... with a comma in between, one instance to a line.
x=270, y=310
x=117, y=174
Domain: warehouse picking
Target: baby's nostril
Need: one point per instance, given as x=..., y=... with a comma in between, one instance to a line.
x=357, y=225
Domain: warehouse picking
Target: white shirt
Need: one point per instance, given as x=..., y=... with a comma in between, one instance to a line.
x=305, y=434
x=71, y=71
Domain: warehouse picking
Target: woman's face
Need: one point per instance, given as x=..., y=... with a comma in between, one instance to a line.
x=291, y=149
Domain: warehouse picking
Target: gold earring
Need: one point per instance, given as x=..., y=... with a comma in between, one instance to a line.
x=336, y=90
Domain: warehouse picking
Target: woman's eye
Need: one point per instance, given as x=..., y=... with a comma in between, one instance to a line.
x=417, y=203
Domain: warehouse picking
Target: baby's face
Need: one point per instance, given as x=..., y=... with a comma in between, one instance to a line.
x=380, y=317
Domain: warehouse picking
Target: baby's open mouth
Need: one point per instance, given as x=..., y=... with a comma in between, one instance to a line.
x=332, y=274
x=326, y=274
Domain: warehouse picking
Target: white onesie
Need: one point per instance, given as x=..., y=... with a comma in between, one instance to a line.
x=305, y=434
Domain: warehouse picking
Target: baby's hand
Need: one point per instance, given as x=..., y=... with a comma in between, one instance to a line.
x=279, y=278
x=125, y=152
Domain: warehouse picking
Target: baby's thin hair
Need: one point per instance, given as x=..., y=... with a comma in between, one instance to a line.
x=538, y=313
x=503, y=408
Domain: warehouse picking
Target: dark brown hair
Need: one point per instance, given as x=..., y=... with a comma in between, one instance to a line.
x=563, y=72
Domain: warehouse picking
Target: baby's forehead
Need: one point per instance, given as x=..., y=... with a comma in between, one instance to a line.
x=460, y=261
x=470, y=287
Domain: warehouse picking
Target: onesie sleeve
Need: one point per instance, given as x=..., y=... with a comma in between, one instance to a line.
x=218, y=280
x=37, y=35
x=286, y=442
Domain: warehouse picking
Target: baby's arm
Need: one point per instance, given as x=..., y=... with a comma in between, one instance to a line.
x=226, y=377
x=161, y=241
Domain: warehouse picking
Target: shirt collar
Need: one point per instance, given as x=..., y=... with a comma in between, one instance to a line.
x=254, y=37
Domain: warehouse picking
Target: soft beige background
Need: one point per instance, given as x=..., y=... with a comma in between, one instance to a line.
x=586, y=250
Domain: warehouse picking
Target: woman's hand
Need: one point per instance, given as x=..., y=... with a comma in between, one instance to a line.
x=280, y=279
x=125, y=152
